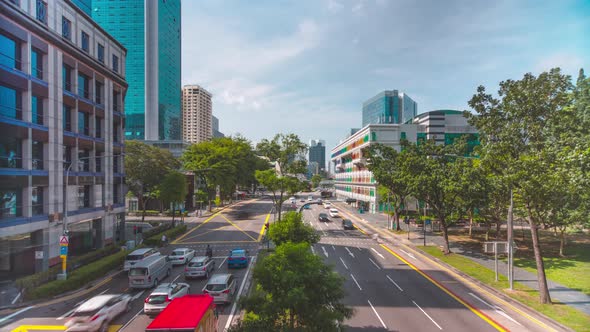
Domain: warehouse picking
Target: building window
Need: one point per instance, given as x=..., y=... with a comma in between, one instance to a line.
x=42, y=11
x=116, y=101
x=66, y=28
x=67, y=77
x=10, y=103
x=37, y=201
x=36, y=63
x=67, y=157
x=100, y=52
x=37, y=155
x=67, y=118
x=98, y=165
x=10, y=53
x=85, y=41
x=83, y=196
x=115, y=63
x=83, y=123
x=84, y=161
x=98, y=92
x=98, y=128
x=37, y=110
x=10, y=203
x=84, y=86
x=115, y=164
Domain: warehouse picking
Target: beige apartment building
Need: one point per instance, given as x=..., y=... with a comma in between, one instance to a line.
x=196, y=114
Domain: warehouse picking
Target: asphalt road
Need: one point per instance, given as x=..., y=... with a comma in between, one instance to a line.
x=392, y=289
x=237, y=226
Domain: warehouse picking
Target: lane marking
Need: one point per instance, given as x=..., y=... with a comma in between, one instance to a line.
x=3, y=319
x=16, y=298
x=238, y=228
x=136, y=296
x=27, y=328
x=499, y=310
x=233, y=308
x=427, y=315
x=178, y=276
x=378, y=253
x=262, y=228
x=313, y=250
x=407, y=253
x=132, y=319
x=377, y=314
x=395, y=283
x=359, y=248
x=334, y=248
x=377, y=266
x=480, y=314
x=349, y=252
x=343, y=263
x=194, y=229
x=223, y=261
x=104, y=291
x=324, y=250
x=356, y=282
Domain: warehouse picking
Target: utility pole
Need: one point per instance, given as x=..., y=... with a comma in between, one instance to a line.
x=510, y=238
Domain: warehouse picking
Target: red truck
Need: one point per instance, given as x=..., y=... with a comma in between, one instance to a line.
x=190, y=313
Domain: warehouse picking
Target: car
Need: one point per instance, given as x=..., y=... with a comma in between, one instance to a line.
x=181, y=256
x=222, y=287
x=138, y=255
x=293, y=200
x=159, y=299
x=334, y=213
x=302, y=200
x=237, y=258
x=310, y=198
x=327, y=205
x=307, y=207
x=199, y=266
x=320, y=201
x=347, y=224
x=323, y=217
x=95, y=314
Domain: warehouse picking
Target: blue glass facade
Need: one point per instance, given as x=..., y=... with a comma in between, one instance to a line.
x=389, y=107
x=125, y=20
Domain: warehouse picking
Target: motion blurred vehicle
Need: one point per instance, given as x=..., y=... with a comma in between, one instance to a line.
x=161, y=297
x=138, y=255
x=188, y=313
x=334, y=213
x=237, y=258
x=222, y=287
x=199, y=266
x=347, y=224
x=323, y=217
x=181, y=256
x=95, y=314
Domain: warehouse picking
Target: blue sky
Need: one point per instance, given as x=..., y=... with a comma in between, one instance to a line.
x=306, y=67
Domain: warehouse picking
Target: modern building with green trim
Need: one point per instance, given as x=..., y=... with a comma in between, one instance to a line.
x=151, y=32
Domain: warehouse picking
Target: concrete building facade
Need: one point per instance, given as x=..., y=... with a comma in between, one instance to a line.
x=62, y=91
x=197, y=113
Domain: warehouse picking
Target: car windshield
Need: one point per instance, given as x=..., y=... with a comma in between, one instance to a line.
x=215, y=287
x=323, y=215
x=238, y=253
x=195, y=264
x=138, y=271
x=177, y=253
x=156, y=299
x=134, y=257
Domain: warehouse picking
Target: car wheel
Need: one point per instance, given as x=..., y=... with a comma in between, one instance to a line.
x=103, y=327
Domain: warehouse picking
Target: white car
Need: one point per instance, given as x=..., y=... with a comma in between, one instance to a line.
x=95, y=314
x=293, y=200
x=334, y=213
x=181, y=256
x=163, y=295
x=327, y=205
x=310, y=198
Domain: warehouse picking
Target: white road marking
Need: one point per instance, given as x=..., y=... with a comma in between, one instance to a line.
x=343, y=263
x=377, y=266
x=324, y=250
x=233, y=308
x=223, y=261
x=104, y=291
x=349, y=252
x=356, y=282
x=3, y=319
x=377, y=314
x=440, y=328
x=396, y=285
x=333, y=247
x=313, y=250
x=359, y=248
x=407, y=253
x=136, y=296
x=131, y=320
x=378, y=253
x=75, y=306
x=496, y=308
x=178, y=276
x=16, y=298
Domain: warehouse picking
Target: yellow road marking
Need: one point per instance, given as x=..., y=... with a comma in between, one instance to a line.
x=444, y=289
x=28, y=328
x=238, y=228
x=114, y=328
x=194, y=229
x=201, y=242
x=262, y=229
x=209, y=231
x=362, y=231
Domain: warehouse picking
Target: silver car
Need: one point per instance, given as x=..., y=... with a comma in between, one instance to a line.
x=95, y=314
x=222, y=287
x=199, y=267
x=159, y=299
x=181, y=256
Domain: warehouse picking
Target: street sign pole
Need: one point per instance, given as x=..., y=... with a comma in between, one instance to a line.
x=496, y=259
x=510, y=238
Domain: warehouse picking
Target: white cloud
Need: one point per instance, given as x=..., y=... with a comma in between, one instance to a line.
x=569, y=63
x=334, y=6
x=359, y=6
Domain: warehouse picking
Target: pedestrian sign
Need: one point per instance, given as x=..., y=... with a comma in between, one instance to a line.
x=63, y=251
x=64, y=240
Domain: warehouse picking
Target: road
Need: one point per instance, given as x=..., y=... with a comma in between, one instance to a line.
x=237, y=226
x=392, y=289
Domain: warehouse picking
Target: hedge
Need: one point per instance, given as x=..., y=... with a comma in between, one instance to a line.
x=156, y=213
x=78, y=278
x=171, y=234
x=156, y=230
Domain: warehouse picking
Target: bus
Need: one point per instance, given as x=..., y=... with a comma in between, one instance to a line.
x=190, y=313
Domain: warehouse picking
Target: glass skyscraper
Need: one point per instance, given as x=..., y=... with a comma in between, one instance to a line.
x=317, y=153
x=389, y=107
x=150, y=30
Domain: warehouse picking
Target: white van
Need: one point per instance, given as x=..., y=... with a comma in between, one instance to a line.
x=150, y=271
x=138, y=255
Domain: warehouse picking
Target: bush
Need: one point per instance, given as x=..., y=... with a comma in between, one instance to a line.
x=78, y=278
x=171, y=234
x=157, y=230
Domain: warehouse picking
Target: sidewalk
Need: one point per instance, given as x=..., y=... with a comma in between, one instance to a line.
x=573, y=298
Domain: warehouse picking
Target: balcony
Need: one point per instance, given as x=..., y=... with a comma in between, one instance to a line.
x=361, y=162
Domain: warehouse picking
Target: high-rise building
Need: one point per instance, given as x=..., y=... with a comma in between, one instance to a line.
x=84, y=5
x=389, y=107
x=317, y=153
x=150, y=30
x=196, y=114
x=215, y=124
x=62, y=89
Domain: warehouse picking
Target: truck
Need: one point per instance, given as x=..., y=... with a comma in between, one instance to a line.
x=190, y=313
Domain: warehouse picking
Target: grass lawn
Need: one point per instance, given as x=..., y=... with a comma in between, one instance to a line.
x=564, y=314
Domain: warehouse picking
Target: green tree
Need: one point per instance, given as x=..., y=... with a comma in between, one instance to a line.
x=295, y=291
x=145, y=166
x=292, y=229
x=516, y=132
x=283, y=150
x=173, y=189
x=315, y=180
x=280, y=186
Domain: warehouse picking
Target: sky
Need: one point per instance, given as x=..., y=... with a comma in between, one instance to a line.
x=307, y=66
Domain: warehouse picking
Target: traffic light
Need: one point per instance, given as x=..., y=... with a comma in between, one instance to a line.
x=134, y=229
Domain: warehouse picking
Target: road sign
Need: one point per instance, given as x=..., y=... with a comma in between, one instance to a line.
x=63, y=251
x=64, y=240
x=38, y=254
